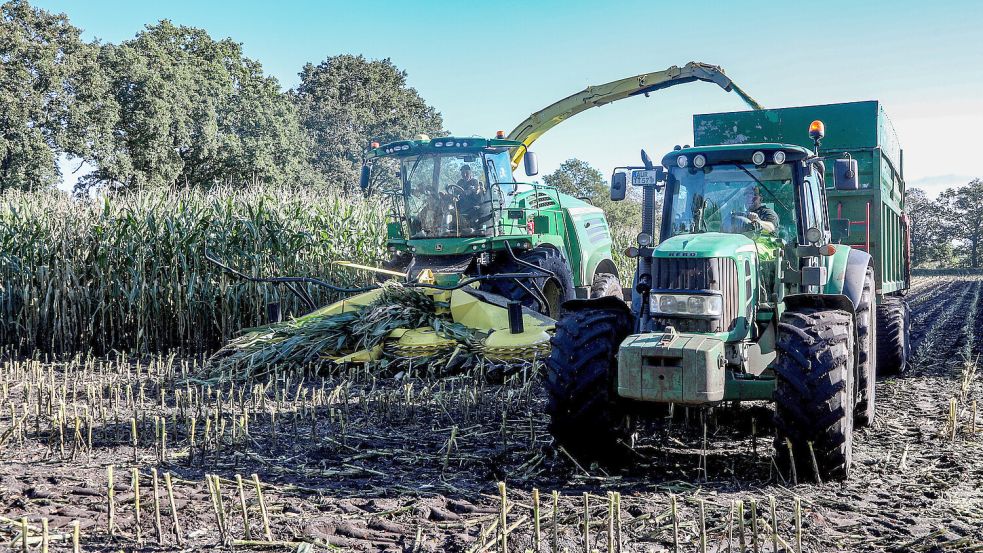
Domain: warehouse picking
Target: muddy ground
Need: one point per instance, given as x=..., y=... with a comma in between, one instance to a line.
x=349, y=462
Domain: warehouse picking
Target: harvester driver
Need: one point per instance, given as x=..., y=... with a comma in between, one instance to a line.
x=470, y=200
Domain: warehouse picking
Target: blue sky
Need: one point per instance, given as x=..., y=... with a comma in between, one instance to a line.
x=486, y=66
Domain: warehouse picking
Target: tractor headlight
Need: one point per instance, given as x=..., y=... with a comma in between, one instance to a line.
x=758, y=158
x=682, y=162
x=699, y=161
x=685, y=304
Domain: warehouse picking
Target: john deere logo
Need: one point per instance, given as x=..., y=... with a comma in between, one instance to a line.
x=439, y=247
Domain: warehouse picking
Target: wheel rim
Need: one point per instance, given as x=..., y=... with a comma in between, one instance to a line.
x=553, y=294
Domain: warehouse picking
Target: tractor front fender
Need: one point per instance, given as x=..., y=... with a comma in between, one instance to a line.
x=605, y=303
x=847, y=269
x=794, y=302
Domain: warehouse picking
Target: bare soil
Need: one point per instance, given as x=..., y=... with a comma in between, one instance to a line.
x=352, y=462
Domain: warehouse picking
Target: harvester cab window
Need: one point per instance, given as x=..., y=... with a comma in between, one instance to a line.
x=447, y=196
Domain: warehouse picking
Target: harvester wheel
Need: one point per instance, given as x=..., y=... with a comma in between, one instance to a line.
x=893, y=336
x=814, y=393
x=556, y=290
x=866, y=354
x=585, y=417
x=606, y=284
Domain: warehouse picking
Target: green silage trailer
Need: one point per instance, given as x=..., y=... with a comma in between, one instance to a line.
x=871, y=218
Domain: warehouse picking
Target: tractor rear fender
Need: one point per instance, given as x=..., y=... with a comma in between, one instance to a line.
x=847, y=269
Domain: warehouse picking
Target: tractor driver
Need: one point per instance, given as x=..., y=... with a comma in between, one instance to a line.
x=759, y=216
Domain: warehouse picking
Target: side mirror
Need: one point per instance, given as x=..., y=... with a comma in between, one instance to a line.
x=619, y=186
x=363, y=179
x=839, y=229
x=845, y=174
x=531, y=164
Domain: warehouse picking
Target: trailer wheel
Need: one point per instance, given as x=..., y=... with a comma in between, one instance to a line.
x=585, y=416
x=556, y=290
x=606, y=284
x=893, y=336
x=866, y=317
x=814, y=393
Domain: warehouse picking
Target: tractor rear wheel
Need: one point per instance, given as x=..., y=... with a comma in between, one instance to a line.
x=555, y=290
x=606, y=284
x=866, y=317
x=893, y=336
x=585, y=416
x=814, y=393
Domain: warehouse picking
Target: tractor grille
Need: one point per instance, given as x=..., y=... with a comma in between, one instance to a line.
x=715, y=273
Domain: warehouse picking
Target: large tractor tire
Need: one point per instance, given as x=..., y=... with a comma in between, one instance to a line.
x=556, y=290
x=866, y=318
x=814, y=393
x=585, y=416
x=893, y=336
x=606, y=284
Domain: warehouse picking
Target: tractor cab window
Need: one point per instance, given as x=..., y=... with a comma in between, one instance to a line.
x=447, y=196
x=733, y=198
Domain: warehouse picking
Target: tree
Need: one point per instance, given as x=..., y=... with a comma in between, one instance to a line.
x=195, y=111
x=346, y=102
x=931, y=241
x=962, y=209
x=577, y=178
x=52, y=93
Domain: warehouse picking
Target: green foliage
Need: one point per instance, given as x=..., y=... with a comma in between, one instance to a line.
x=931, y=244
x=962, y=212
x=346, y=102
x=127, y=272
x=52, y=94
x=195, y=111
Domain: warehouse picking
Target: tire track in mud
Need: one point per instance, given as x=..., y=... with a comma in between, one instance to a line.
x=913, y=458
x=928, y=325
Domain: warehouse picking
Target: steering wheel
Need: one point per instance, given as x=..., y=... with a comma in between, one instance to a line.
x=458, y=186
x=738, y=223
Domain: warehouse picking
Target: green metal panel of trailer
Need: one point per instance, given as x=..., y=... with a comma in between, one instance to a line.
x=861, y=129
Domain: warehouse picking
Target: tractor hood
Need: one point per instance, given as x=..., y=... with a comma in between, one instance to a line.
x=708, y=244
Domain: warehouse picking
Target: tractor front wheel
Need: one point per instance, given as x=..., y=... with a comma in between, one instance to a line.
x=585, y=416
x=814, y=393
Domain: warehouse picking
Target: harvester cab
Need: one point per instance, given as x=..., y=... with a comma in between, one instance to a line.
x=457, y=212
x=744, y=296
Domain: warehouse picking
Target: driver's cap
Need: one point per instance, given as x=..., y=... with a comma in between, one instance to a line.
x=465, y=168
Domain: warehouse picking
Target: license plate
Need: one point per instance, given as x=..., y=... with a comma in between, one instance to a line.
x=644, y=177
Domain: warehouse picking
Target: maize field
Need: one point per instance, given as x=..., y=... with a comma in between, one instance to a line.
x=127, y=273
x=110, y=441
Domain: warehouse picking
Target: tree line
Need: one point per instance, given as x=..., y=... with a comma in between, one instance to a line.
x=947, y=231
x=173, y=106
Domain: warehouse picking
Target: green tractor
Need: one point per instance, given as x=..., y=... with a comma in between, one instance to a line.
x=754, y=290
x=458, y=213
